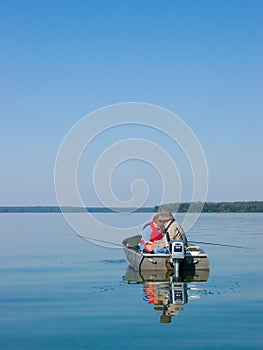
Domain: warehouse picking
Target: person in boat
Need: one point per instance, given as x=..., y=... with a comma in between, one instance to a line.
x=171, y=227
x=152, y=240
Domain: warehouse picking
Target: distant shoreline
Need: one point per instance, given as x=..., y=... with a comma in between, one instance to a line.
x=56, y=209
x=214, y=207
x=207, y=207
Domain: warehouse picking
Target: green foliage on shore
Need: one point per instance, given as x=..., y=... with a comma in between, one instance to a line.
x=208, y=207
x=214, y=207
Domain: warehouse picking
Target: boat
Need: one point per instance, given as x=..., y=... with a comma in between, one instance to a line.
x=133, y=276
x=191, y=259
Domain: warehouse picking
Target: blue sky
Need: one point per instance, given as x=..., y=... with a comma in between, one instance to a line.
x=61, y=60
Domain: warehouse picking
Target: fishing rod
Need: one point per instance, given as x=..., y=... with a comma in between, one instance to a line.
x=100, y=240
x=220, y=244
x=195, y=242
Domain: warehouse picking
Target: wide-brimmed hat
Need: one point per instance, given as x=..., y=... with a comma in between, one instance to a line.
x=165, y=215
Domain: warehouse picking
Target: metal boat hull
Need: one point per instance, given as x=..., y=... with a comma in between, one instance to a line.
x=195, y=259
x=135, y=276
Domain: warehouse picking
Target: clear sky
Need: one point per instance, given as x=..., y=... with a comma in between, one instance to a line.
x=61, y=60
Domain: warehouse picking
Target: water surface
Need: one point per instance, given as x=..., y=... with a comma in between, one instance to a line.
x=58, y=291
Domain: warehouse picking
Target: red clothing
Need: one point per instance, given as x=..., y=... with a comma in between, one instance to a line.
x=156, y=235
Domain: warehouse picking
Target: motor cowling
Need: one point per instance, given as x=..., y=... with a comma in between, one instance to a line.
x=177, y=249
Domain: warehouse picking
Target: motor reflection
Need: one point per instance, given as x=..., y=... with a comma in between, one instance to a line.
x=165, y=292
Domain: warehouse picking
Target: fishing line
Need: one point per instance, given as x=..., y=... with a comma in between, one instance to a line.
x=100, y=240
x=220, y=244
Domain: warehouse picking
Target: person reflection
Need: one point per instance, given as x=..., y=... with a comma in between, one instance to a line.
x=154, y=295
x=169, y=311
x=166, y=297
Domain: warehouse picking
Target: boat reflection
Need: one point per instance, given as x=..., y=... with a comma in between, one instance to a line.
x=164, y=292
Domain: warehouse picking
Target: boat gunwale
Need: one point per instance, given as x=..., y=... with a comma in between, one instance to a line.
x=194, y=253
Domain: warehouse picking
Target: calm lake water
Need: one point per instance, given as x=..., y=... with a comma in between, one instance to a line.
x=59, y=291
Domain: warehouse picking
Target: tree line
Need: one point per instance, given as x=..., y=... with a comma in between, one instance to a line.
x=214, y=207
x=207, y=207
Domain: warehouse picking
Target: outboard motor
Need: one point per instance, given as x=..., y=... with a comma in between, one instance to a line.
x=177, y=253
